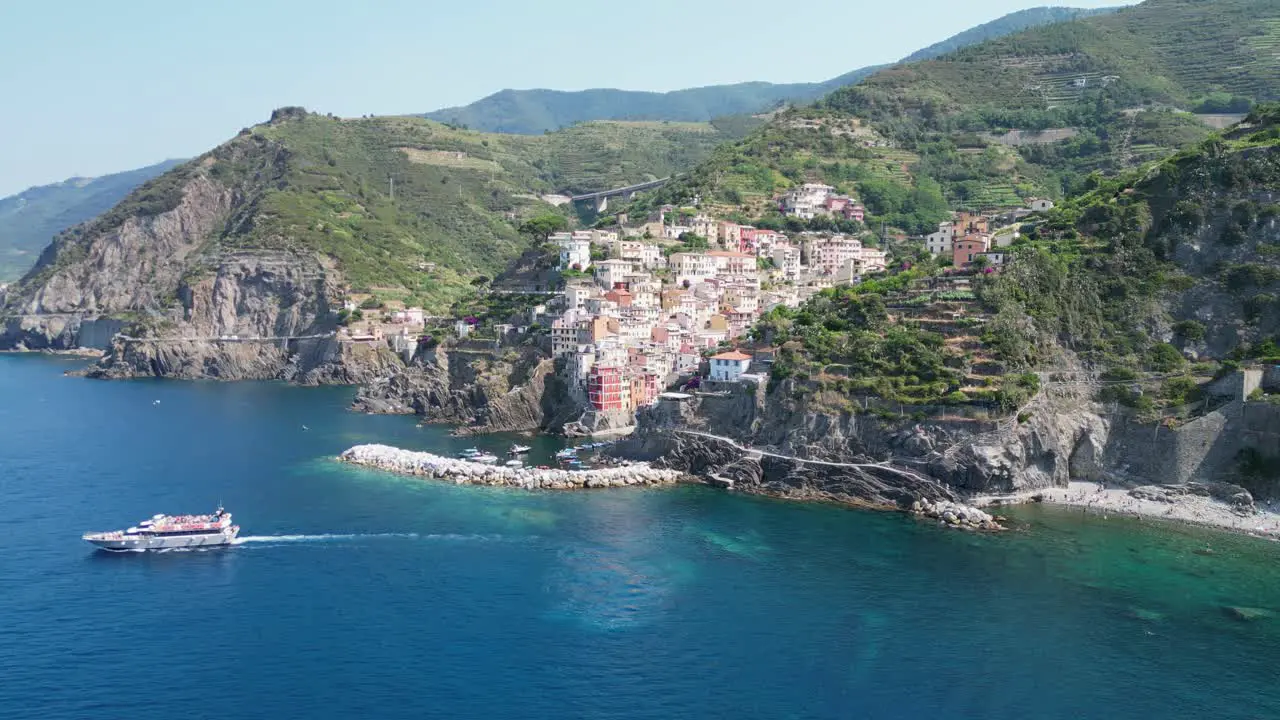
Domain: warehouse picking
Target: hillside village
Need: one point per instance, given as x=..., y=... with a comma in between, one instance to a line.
x=644, y=306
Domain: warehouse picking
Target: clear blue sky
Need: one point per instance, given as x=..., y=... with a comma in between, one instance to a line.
x=93, y=87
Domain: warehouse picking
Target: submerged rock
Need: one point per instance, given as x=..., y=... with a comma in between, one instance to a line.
x=1246, y=614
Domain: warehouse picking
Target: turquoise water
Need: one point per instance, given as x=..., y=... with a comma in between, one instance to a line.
x=360, y=594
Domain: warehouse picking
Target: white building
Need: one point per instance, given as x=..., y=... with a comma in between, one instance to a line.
x=646, y=255
x=694, y=267
x=575, y=253
x=1041, y=205
x=611, y=272
x=734, y=264
x=995, y=259
x=806, y=201
x=940, y=242
x=580, y=361
x=673, y=232
x=787, y=259
x=577, y=294
x=729, y=366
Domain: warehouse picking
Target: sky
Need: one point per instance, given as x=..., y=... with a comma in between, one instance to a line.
x=95, y=87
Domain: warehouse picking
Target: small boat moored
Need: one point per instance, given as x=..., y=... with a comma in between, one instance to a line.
x=519, y=449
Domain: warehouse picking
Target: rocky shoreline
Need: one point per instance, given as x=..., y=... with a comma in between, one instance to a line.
x=955, y=515
x=1217, y=511
x=465, y=472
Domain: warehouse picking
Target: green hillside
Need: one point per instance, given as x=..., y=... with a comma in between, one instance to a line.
x=30, y=219
x=1031, y=114
x=314, y=184
x=537, y=111
x=1157, y=279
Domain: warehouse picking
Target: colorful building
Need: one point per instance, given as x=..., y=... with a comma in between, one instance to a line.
x=729, y=366
x=607, y=389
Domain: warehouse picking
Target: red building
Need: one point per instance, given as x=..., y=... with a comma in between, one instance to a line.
x=619, y=295
x=966, y=249
x=607, y=389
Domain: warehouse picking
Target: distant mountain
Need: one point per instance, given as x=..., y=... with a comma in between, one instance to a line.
x=530, y=112
x=30, y=219
x=1007, y=25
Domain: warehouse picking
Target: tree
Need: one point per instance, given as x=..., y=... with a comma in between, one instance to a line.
x=694, y=242
x=544, y=226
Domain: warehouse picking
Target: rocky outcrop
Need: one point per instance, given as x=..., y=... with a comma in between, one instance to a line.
x=151, y=285
x=464, y=472
x=955, y=515
x=479, y=389
x=887, y=462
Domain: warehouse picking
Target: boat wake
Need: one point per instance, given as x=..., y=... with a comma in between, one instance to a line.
x=338, y=537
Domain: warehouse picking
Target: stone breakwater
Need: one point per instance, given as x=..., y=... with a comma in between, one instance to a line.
x=955, y=515
x=465, y=472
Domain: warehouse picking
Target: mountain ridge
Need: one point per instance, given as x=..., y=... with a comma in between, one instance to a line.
x=538, y=110
x=31, y=218
x=990, y=126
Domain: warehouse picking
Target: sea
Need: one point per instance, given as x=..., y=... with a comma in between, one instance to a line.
x=359, y=594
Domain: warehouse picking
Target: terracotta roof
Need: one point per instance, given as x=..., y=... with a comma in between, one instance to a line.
x=731, y=355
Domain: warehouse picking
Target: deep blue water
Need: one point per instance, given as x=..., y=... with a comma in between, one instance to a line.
x=361, y=594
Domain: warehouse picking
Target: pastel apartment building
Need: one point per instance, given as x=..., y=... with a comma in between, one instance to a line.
x=609, y=273
x=733, y=264
x=692, y=267
x=969, y=247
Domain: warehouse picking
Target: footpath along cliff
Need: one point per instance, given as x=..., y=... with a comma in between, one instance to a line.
x=742, y=436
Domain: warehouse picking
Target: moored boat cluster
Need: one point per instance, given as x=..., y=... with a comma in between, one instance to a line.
x=955, y=514
x=466, y=472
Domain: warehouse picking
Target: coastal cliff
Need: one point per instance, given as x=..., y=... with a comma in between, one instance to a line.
x=769, y=443
x=480, y=389
x=150, y=283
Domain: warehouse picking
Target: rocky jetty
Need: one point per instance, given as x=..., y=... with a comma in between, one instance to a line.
x=465, y=472
x=955, y=515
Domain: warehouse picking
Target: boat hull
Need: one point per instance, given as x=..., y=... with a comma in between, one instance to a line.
x=123, y=542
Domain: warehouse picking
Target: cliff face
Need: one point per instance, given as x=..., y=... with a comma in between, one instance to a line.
x=482, y=390
x=887, y=462
x=154, y=285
